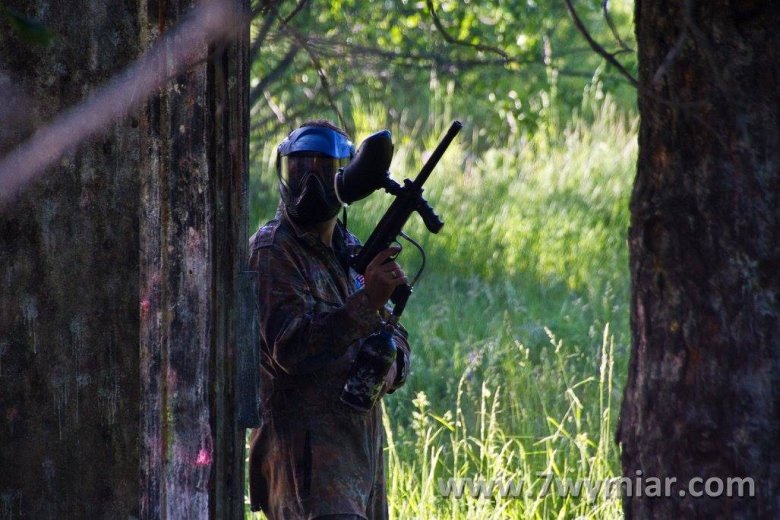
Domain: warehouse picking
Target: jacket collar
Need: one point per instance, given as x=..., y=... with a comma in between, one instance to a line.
x=311, y=237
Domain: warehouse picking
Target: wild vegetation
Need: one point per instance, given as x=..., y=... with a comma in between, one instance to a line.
x=520, y=320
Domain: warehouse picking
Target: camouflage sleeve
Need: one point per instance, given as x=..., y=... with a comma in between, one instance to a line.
x=303, y=334
x=402, y=359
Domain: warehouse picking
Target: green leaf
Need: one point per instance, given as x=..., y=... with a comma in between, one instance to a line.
x=29, y=29
x=395, y=35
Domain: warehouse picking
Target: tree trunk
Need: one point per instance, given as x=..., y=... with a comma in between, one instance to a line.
x=120, y=272
x=69, y=363
x=702, y=399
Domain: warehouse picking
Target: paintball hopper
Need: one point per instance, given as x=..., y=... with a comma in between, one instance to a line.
x=368, y=171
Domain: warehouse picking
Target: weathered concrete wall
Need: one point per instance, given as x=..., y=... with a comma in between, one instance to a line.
x=118, y=279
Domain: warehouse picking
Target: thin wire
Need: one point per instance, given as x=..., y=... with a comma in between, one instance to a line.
x=422, y=252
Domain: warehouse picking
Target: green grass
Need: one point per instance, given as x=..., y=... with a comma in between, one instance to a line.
x=519, y=326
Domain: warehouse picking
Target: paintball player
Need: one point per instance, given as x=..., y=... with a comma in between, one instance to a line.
x=315, y=456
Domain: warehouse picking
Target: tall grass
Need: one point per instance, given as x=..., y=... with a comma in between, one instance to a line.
x=519, y=324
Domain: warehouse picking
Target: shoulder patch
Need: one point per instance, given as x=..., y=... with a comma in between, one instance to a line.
x=264, y=236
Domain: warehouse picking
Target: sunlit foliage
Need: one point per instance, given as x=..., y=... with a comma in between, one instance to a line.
x=520, y=322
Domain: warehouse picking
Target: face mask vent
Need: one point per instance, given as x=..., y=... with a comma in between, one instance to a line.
x=313, y=202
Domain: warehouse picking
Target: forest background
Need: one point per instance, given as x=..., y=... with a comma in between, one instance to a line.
x=519, y=324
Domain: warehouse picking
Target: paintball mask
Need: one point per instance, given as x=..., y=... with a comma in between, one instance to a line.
x=307, y=162
x=320, y=172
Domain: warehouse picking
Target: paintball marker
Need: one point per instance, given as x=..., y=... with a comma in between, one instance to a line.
x=408, y=199
x=366, y=173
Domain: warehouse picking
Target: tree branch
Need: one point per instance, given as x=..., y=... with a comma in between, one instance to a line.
x=341, y=49
x=613, y=29
x=272, y=14
x=338, y=48
x=598, y=48
x=272, y=76
x=254, y=50
x=265, y=7
x=322, y=75
x=671, y=56
x=290, y=116
x=449, y=38
x=301, y=5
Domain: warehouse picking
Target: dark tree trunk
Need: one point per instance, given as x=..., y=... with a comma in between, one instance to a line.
x=703, y=393
x=193, y=219
x=119, y=276
x=69, y=360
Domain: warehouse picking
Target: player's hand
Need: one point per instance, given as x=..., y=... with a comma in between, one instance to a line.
x=382, y=277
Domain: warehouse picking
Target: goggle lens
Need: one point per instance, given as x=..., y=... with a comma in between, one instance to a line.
x=294, y=167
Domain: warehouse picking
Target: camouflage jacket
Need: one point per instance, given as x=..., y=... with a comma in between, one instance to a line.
x=314, y=456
